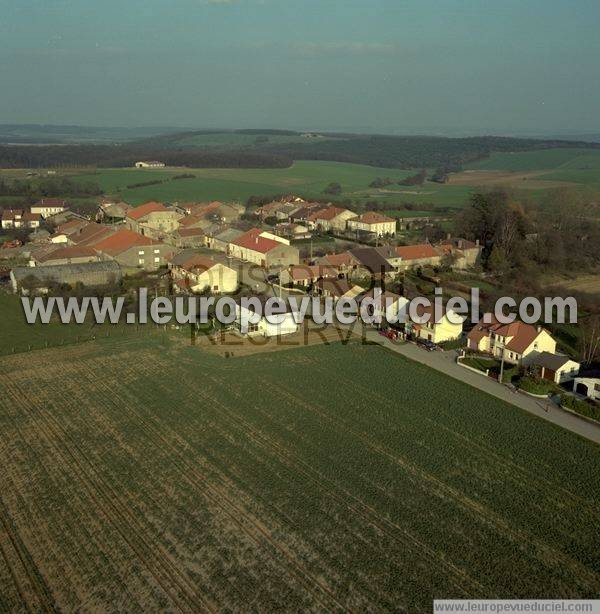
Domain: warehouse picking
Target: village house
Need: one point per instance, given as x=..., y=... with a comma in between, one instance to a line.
x=344, y=262
x=17, y=218
x=389, y=306
x=446, y=326
x=300, y=216
x=290, y=230
x=409, y=256
x=370, y=264
x=464, y=254
x=188, y=237
x=337, y=289
x=131, y=249
x=195, y=273
x=220, y=242
x=26, y=280
x=557, y=368
x=517, y=343
x=305, y=275
x=64, y=231
x=249, y=322
x=64, y=255
x=152, y=219
x=47, y=207
x=216, y=211
x=264, y=249
x=330, y=218
x=373, y=222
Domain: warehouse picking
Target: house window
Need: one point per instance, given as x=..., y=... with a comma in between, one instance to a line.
x=252, y=328
x=157, y=259
x=157, y=251
x=140, y=261
x=141, y=252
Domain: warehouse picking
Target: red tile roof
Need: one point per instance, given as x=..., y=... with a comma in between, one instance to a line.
x=372, y=217
x=416, y=252
x=327, y=214
x=123, y=240
x=64, y=253
x=190, y=232
x=190, y=220
x=51, y=202
x=145, y=209
x=70, y=226
x=339, y=260
x=197, y=262
x=303, y=272
x=521, y=335
x=90, y=234
x=31, y=217
x=253, y=241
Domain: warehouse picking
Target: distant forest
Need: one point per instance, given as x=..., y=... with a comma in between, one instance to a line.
x=400, y=152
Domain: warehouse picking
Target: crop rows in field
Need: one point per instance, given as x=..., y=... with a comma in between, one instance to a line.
x=327, y=478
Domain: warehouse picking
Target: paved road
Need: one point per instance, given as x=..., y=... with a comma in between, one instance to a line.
x=446, y=363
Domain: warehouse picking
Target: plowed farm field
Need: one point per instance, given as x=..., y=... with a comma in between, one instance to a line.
x=144, y=475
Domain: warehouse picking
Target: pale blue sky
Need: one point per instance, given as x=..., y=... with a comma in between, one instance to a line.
x=503, y=66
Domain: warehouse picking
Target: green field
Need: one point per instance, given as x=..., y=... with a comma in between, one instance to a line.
x=542, y=159
x=150, y=475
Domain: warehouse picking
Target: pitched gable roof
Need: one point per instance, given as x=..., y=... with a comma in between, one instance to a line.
x=372, y=260
x=416, y=252
x=90, y=234
x=123, y=240
x=372, y=217
x=145, y=209
x=254, y=241
x=64, y=253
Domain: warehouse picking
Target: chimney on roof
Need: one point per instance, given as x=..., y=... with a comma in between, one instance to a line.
x=477, y=242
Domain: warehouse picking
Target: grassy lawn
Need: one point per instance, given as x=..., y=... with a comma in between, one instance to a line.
x=480, y=362
x=173, y=477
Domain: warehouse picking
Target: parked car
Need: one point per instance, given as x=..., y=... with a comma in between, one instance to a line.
x=430, y=346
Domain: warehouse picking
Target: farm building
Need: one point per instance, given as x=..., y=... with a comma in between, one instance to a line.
x=289, y=230
x=516, y=342
x=374, y=223
x=557, y=368
x=248, y=322
x=49, y=206
x=264, y=249
x=149, y=164
x=195, y=273
x=131, y=249
x=112, y=212
x=152, y=219
x=90, y=234
x=94, y=274
x=64, y=255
